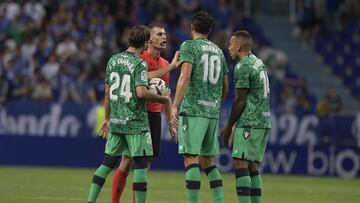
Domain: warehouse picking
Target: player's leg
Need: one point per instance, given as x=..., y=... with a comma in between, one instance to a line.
x=140, y=147
x=115, y=147
x=191, y=132
x=259, y=137
x=241, y=154
x=140, y=179
x=100, y=175
x=214, y=176
x=256, y=183
x=155, y=130
x=192, y=177
x=119, y=178
x=242, y=181
x=209, y=149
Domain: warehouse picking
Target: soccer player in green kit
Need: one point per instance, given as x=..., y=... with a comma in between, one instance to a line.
x=250, y=118
x=126, y=124
x=202, y=87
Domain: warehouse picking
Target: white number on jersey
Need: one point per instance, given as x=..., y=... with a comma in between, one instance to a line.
x=124, y=89
x=264, y=78
x=211, y=73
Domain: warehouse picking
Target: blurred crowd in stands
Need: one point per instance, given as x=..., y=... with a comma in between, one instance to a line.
x=332, y=28
x=57, y=50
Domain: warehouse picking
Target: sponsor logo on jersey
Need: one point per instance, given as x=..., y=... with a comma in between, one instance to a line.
x=118, y=121
x=207, y=103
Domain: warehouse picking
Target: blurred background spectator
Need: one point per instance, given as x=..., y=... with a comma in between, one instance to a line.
x=57, y=50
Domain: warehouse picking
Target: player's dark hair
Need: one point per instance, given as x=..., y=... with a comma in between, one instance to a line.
x=202, y=22
x=139, y=34
x=244, y=34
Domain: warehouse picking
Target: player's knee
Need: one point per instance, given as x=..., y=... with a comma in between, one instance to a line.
x=239, y=163
x=190, y=159
x=110, y=161
x=125, y=163
x=253, y=166
x=206, y=161
x=140, y=162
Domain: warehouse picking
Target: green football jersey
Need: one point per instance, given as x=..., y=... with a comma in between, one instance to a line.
x=204, y=94
x=250, y=72
x=124, y=72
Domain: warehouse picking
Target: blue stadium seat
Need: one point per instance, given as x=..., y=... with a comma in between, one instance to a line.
x=339, y=69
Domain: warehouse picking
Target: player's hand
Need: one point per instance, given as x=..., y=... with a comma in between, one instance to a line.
x=225, y=135
x=231, y=138
x=174, y=118
x=173, y=133
x=175, y=60
x=104, y=130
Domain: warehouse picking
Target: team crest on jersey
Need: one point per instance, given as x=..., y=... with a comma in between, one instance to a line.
x=184, y=127
x=143, y=75
x=246, y=134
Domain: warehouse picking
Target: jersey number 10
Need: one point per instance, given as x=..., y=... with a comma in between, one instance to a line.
x=263, y=77
x=211, y=68
x=124, y=89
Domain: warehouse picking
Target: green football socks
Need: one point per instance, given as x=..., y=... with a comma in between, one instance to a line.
x=216, y=185
x=243, y=184
x=256, y=185
x=192, y=178
x=140, y=185
x=97, y=182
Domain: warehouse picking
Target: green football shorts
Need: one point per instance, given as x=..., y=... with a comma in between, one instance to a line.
x=250, y=143
x=198, y=136
x=129, y=145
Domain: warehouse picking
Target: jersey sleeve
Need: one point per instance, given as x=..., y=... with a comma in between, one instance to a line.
x=108, y=69
x=242, y=76
x=141, y=75
x=186, y=53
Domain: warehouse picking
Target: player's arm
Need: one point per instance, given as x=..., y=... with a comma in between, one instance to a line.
x=181, y=86
x=183, y=83
x=225, y=88
x=107, y=102
x=172, y=129
x=143, y=93
x=238, y=105
x=105, y=126
x=167, y=109
x=162, y=71
x=236, y=109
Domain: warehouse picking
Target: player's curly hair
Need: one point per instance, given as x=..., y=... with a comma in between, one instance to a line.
x=202, y=22
x=138, y=35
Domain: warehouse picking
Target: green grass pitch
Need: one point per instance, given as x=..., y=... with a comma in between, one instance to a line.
x=68, y=185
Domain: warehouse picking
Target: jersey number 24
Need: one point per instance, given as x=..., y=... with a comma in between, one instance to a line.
x=125, y=90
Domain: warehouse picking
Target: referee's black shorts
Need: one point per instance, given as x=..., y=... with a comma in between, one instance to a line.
x=155, y=129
